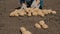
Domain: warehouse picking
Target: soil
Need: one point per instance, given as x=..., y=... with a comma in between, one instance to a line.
x=11, y=25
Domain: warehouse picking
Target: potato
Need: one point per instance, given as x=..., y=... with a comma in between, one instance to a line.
x=14, y=13
x=45, y=26
x=50, y=11
x=26, y=32
x=53, y=12
x=22, y=12
x=35, y=12
x=29, y=14
x=37, y=26
x=41, y=22
x=23, y=29
x=29, y=11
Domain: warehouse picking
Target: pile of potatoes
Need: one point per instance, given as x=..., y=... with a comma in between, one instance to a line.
x=32, y=12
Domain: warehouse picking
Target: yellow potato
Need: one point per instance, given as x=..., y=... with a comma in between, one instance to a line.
x=14, y=13
x=22, y=12
x=45, y=26
x=28, y=10
x=53, y=12
x=41, y=22
x=29, y=14
x=23, y=29
x=37, y=26
x=26, y=32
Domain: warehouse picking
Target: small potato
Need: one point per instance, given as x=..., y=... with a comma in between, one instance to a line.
x=26, y=32
x=14, y=13
x=53, y=12
x=29, y=14
x=22, y=12
x=41, y=22
x=45, y=26
x=37, y=26
x=23, y=29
